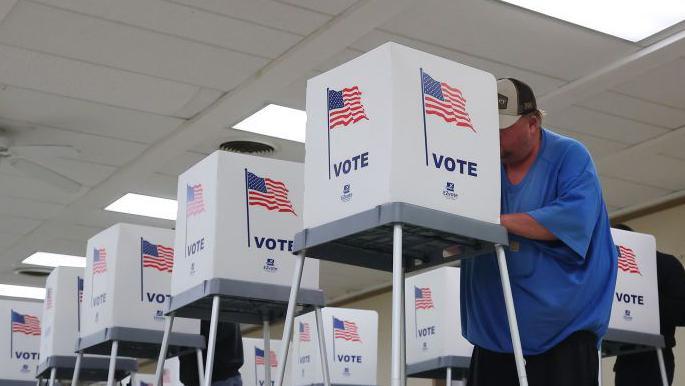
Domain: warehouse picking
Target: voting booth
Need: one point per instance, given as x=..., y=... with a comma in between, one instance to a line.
x=237, y=215
x=402, y=161
x=433, y=325
x=60, y=325
x=20, y=331
x=351, y=345
x=634, y=323
x=253, y=369
x=126, y=286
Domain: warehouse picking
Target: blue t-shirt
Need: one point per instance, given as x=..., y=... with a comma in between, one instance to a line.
x=559, y=287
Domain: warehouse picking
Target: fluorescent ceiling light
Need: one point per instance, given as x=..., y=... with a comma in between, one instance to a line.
x=20, y=291
x=142, y=205
x=628, y=19
x=276, y=121
x=55, y=260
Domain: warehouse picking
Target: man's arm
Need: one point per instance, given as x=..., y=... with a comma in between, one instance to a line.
x=522, y=224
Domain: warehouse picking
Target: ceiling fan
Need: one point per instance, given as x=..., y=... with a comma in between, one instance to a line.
x=22, y=158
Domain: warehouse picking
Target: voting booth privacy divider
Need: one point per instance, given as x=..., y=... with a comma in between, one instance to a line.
x=236, y=221
x=127, y=280
x=351, y=341
x=636, y=301
x=20, y=331
x=433, y=323
x=400, y=125
x=252, y=371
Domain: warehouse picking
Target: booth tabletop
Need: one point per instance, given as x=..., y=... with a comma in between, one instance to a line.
x=138, y=343
x=365, y=239
x=241, y=301
x=436, y=368
x=92, y=368
x=618, y=342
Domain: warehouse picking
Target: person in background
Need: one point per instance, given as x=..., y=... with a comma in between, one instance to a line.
x=561, y=258
x=228, y=357
x=643, y=368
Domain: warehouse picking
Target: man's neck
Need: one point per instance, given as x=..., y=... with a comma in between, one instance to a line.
x=516, y=171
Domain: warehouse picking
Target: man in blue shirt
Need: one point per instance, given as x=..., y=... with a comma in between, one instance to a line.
x=561, y=257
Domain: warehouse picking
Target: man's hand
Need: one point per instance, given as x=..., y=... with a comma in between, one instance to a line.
x=522, y=224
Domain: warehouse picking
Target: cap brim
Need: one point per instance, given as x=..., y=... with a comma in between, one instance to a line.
x=506, y=120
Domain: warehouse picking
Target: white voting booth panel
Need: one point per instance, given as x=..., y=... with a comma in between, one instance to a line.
x=170, y=375
x=636, y=301
x=236, y=219
x=252, y=371
x=433, y=319
x=61, y=309
x=400, y=125
x=127, y=280
x=20, y=332
x=351, y=339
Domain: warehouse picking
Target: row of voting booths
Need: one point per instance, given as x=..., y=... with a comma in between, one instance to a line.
x=402, y=162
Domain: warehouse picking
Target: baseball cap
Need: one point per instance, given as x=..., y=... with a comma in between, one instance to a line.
x=514, y=99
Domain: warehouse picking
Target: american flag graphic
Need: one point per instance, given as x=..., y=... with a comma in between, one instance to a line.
x=626, y=260
x=305, y=335
x=271, y=194
x=195, y=202
x=423, y=299
x=345, y=107
x=48, y=298
x=99, y=260
x=25, y=324
x=345, y=330
x=157, y=256
x=259, y=357
x=79, y=285
x=445, y=101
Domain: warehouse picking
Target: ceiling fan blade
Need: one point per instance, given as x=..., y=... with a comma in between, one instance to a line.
x=44, y=174
x=45, y=151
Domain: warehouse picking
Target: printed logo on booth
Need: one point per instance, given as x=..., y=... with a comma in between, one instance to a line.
x=270, y=265
x=448, y=191
x=627, y=316
x=347, y=193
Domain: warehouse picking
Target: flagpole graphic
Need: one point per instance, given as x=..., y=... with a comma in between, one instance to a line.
x=141, y=269
x=247, y=205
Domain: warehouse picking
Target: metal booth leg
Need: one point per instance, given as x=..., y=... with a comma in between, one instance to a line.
x=322, y=347
x=448, y=378
x=290, y=315
x=662, y=366
x=396, y=371
x=38, y=381
x=600, y=370
x=168, y=324
x=200, y=367
x=511, y=316
x=266, y=331
x=112, y=363
x=211, y=344
x=77, y=368
x=53, y=374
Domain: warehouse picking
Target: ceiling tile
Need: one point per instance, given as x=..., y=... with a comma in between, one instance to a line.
x=330, y=7
x=88, y=174
x=675, y=147
x=619, y=193
x=664, y=84
x=46, y=29
x=159, y=185
x=33, y=189
x=602, y=125
x=191, y=23
x=541, y=84
x=34, y=107
x=17, y=206
x=648, y=169
x=181, y=163
x=636, y=109
x=200, y=101
x=76, y=79
x=265, y=12
x=506, y=34
x=7, y=239
x=17, y=225
x=5, y=8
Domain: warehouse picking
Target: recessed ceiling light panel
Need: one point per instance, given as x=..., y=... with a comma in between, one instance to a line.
x=143, y=205
x=277, y=121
